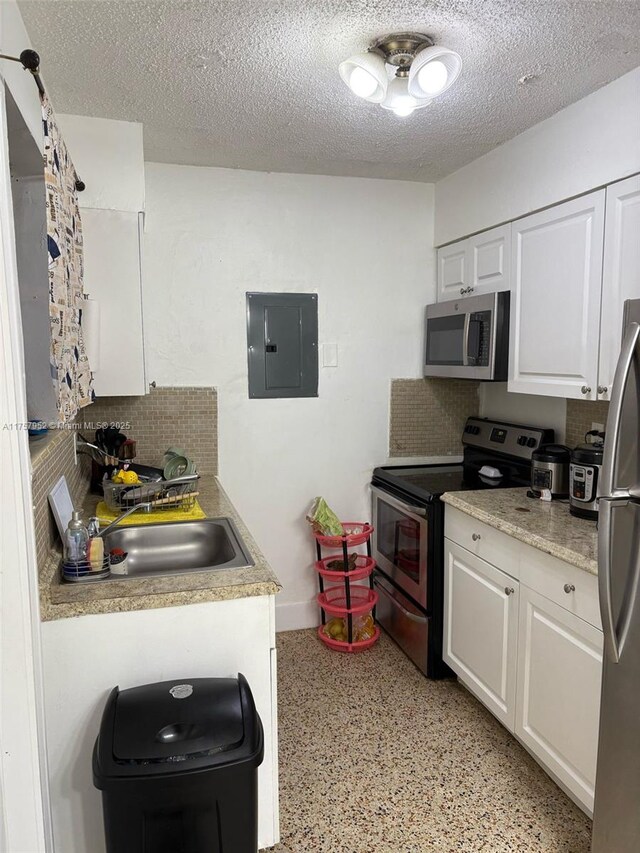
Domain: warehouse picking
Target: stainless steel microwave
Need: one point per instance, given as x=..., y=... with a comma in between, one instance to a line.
x=468, y=338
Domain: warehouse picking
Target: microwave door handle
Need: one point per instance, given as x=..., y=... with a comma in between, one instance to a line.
x=465, y=339
x=614, y=420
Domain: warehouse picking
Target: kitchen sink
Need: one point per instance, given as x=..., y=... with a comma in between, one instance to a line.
x=181, y=546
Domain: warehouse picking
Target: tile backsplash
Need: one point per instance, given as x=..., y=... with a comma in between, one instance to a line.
x=51, y=458
x=427, y=415
x=166, y=417
x=580, y=415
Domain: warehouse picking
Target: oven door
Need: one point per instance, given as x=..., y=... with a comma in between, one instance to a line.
x=401, y=543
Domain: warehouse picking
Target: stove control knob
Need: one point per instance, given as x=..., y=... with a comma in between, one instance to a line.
x=531, y=442
x=522, y=440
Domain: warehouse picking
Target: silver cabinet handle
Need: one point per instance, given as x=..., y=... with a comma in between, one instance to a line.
x=509, y=590
x=469, y=290
x=585, y=389
x=476, y=536
x=463, y=290
x=602, y=389
x=569, y=587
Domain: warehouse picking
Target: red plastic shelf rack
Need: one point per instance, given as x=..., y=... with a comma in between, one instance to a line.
x=342, y=599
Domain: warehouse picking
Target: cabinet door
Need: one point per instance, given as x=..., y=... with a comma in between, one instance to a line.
x=454, y=270
x=480, y=629
x=112, y=277
x=621, y=279
x=555, y=303
x=558, y=702
x=490, y=253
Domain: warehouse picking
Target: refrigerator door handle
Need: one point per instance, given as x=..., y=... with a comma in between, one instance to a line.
x=614, y=420
x=605, y=507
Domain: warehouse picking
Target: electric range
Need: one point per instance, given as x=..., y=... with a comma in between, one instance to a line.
x=408, y=538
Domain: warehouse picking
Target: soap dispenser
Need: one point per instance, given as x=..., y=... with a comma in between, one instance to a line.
x=76, y=540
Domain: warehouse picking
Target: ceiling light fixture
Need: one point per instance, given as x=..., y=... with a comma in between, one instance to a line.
x=401, y=72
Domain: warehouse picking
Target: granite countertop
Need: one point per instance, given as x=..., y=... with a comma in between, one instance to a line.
x=59, y=600
x=546, y=525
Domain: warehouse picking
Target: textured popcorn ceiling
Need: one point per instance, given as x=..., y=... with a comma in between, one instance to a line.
x=254, y=84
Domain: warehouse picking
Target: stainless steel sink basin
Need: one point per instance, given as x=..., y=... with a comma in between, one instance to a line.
x=178, y=547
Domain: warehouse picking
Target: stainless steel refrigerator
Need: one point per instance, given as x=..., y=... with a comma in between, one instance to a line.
x=616, y=819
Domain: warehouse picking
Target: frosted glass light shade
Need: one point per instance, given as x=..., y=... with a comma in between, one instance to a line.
x=398, y=99
x=366, y=75
x=433, y=71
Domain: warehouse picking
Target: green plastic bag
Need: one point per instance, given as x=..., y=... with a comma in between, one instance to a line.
x=323, y=519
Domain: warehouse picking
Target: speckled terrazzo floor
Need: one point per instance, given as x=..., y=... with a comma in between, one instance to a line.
x=374, y=758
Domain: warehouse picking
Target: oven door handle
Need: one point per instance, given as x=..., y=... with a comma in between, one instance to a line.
x=385, y=496
x=414, y=618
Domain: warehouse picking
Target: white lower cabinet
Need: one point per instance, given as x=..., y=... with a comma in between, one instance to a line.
x=480, y=629
x=533, y=661
x=558, y=695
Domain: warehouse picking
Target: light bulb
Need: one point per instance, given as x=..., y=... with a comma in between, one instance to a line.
x=362, y=83
x=432, y=77
x=404, y=107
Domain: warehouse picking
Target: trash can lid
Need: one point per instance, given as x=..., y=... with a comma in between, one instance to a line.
x=177, y=719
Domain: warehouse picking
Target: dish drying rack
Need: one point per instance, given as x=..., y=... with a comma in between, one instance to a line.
x=179, y=493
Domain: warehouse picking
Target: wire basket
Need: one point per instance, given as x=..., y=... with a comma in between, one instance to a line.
x=84, y=571
x=160, y=494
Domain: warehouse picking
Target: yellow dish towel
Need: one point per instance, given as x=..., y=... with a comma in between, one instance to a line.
x=193, y=514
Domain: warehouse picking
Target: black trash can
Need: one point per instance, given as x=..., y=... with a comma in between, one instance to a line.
x=177, y=764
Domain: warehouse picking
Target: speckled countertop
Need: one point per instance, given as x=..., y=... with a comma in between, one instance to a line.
x=547, y=526
x=60, y=600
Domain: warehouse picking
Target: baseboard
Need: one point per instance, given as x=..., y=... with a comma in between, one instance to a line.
x=292, y=616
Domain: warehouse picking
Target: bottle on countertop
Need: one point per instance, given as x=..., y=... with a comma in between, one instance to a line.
x=76, y=540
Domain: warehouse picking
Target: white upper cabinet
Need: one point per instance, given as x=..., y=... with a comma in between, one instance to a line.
x=621, y=279
x=490, y=260
x=555, y=299
x=112, y=277
x=479, y=264
x=453, y=271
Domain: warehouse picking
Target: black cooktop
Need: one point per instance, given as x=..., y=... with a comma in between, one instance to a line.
x=426, y=482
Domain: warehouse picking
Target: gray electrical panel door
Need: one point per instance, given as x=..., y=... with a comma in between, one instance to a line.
x=282, y=341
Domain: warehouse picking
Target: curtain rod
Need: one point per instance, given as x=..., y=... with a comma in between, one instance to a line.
x=30, y=61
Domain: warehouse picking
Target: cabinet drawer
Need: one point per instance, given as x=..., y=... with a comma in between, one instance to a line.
x=483, y=540
x=549, y=576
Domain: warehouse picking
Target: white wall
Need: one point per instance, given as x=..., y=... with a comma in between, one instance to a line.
x=13, y=40
x=530, y=409
x=213, y=234
x=108, y=157
x=24, y=807
x=588, y=144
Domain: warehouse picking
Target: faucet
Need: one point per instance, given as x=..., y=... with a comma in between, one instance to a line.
x=146, y=507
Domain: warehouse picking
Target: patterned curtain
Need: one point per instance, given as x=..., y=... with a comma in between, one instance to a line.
x=70, y=369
